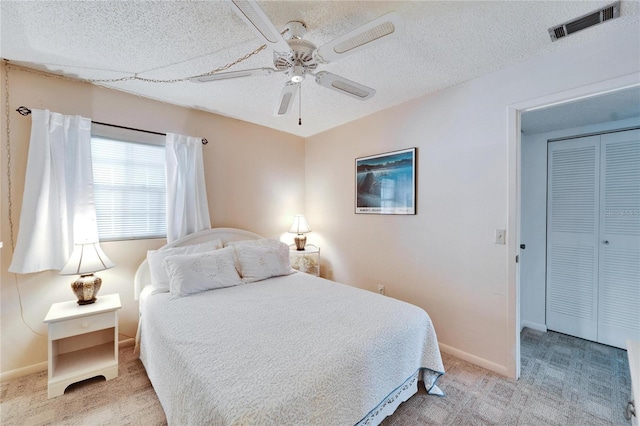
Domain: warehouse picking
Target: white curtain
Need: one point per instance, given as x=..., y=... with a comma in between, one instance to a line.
x=58, y=206
x=187, y=208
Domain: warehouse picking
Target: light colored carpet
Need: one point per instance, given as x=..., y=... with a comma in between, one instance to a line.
x=565, y=381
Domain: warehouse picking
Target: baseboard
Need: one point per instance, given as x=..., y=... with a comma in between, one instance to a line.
x=126, y=343
x=42, y=366
x=534, y=326
x=497, y=368
x=23, y=371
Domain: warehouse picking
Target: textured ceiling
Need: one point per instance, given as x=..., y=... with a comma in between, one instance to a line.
x=443, y=44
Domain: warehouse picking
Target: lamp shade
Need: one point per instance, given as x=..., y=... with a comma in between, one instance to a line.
x=300, y=225
x=86, y=259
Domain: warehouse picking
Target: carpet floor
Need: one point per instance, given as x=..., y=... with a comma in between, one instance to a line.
x=564, y=381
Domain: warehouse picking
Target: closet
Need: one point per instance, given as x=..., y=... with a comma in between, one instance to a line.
x=593, y=237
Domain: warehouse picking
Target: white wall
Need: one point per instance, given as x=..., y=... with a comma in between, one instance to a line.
x=444, y=259
x=534, y=217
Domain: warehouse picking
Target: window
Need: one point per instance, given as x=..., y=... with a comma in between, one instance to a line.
x=129, y=183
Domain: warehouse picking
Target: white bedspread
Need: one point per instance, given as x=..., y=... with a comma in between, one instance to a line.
x=292, y=350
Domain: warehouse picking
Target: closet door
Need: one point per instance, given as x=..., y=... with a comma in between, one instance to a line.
x=572, y=236
x=619, y=284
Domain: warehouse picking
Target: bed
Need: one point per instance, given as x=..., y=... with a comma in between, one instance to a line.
x=291, y=349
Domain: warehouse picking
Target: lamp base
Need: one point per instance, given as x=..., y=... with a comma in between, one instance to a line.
x=300, y=240
x=86, y=288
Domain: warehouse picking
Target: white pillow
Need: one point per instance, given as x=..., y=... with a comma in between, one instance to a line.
x=249, y=243
x=259, y=262
x=193, y=273
x=159, y=276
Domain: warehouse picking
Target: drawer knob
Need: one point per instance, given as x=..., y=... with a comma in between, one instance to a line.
x=85, y=325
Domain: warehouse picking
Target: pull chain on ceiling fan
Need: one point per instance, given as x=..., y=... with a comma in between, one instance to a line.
x=300, y=107
x=297, y=57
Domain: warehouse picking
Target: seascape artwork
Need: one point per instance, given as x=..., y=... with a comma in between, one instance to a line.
x=385, y=183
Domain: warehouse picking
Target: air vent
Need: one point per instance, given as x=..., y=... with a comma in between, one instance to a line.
x=590, y=19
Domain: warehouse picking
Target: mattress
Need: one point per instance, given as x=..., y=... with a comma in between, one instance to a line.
x=288, y=350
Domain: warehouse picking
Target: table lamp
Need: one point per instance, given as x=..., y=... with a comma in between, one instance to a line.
x=300, y=227
x=84, y=261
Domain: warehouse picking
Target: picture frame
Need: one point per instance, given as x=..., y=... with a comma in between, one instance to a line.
x=386, y=183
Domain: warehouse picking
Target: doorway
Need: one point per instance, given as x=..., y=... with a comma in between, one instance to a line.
x=549, y=115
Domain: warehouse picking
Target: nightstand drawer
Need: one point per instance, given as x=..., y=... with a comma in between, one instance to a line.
x=82, y=325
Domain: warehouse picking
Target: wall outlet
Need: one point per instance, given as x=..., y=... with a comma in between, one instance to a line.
x=381, y=289
x=501, y=236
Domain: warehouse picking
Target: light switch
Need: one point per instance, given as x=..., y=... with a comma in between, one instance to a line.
x=501, y=236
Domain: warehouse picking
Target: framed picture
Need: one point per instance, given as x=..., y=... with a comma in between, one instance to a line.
x=386, y=183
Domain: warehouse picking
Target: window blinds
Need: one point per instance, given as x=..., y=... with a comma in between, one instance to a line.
x=129, y=186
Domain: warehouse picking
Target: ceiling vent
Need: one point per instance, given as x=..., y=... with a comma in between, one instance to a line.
x=590, y=19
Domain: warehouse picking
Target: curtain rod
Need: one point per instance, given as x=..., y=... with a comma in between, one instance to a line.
x=23, y=110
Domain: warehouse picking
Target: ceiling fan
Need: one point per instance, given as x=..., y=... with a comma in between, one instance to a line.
x=298, y=58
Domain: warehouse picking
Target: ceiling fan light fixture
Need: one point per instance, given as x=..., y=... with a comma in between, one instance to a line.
x=297, y=57
x=297, y=74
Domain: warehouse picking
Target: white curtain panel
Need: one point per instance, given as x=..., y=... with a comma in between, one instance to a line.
x=58, y=206
x=187, y=208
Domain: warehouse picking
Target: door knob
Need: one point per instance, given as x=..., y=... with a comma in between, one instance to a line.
x=605, y=242
x=522, y=246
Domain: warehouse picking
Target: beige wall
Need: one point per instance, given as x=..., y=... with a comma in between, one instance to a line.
x=444, y=258
x=254, y=177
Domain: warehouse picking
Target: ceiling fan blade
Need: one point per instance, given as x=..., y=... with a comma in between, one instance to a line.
x=381, y=29
x=232, y=74
x=257, y=20
x=287, y=96
x=344, y=86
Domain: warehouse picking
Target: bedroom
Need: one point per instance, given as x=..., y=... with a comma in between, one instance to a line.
x=443, y=259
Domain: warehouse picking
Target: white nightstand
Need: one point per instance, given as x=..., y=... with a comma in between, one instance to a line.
x=83, y=342
x=307, y=260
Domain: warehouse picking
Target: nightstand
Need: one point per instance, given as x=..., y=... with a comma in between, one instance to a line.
x=307, y=260
x=83, y=342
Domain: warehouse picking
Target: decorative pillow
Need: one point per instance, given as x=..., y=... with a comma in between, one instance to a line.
x=259, y=262
x=249, y=243
x=193, y=273
x=159, y=277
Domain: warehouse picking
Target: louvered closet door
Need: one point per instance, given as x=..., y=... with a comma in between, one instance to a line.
x=572, y=236
x=619, y=284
